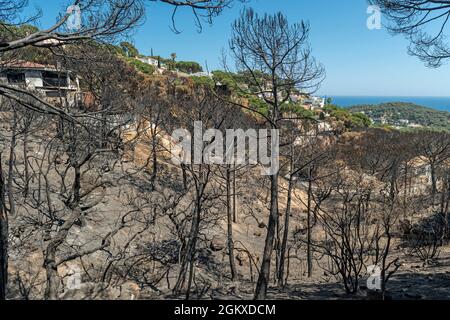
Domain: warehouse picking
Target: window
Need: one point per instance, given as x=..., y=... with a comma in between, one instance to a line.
x=56, y=94
x=16, y=77
x=54, y=79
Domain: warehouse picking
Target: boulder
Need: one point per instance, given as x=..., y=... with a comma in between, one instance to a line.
x=129, y=291
x=91, y=291
x=242, y=259
x=217, y=244
x=100, y=291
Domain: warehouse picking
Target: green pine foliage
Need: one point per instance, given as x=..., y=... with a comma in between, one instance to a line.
x=407, y=115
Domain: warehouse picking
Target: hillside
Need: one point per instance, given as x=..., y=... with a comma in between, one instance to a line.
x=152, y=181
x=405, y=115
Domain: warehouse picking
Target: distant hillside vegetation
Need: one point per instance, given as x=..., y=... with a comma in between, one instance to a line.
x=405, y=115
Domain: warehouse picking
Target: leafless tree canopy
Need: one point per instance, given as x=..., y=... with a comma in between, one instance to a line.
x=202, y=9
x=270, y=50
x=10, y=10
x=101, y=20
x=424, y=23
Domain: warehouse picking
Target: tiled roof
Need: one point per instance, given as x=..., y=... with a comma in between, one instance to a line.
x=27, y=65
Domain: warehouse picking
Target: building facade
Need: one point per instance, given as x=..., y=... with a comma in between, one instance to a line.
x=54, y=85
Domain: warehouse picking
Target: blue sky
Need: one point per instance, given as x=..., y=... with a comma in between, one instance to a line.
x=358, y=61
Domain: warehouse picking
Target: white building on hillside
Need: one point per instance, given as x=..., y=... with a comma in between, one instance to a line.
x=148, y=60
x=315, y=102
x=47, y=80
x=201, y=74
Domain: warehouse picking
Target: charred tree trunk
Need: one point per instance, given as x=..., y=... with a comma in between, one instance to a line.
x=285, y=234
x=230, y=228
x=184, y=173
x=191, y=277
x=189, y=254
x=50, y=262
x=11, y=201
x=234, y=196
x=4, y=231
x=264, y=273
x=283, y=246
x=445, y=200
x=27, y=169
x=433, y=181
x=155, y=160
x=309, y=228
x=77, y=185
x=383, y=265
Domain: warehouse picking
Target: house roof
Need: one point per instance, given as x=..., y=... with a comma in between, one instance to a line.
x=20, y=64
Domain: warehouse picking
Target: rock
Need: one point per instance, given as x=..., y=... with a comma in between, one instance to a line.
x=217, y=244
x=405, y=227
x=257, y=234
x=242, y=259
x=129, y=291
x=232, y=291
x=262, y=225
x=218, y=294
x=91, y=291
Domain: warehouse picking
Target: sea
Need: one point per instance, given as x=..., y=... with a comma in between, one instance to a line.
x=437, y=103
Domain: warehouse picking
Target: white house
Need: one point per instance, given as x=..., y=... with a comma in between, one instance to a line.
x=50, y=82
x=309, y=101
x=149, y=60
x=201, y=74
x=315, y=102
